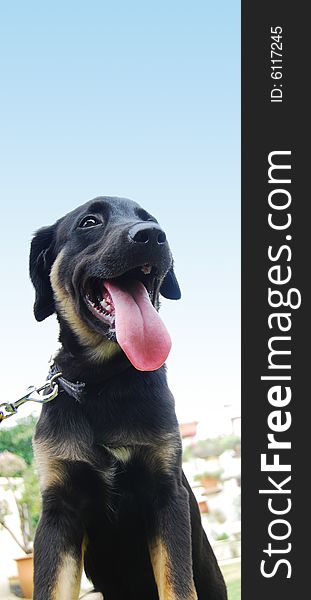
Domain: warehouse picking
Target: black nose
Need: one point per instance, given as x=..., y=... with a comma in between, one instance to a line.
x=147, y=233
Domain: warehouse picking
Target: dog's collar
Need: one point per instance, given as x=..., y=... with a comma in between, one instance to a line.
x=79, y=389
x=76, y=390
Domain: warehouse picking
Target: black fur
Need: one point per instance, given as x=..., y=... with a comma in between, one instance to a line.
x=119, y=507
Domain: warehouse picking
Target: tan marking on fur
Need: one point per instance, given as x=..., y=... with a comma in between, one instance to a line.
x=51, y=459
x=50, y=470
x=99, y=347
x=72, y=449
x=123, y=453
x=160, y=565
x=162, y=455
x=161, y=569
x=165, y=456
x=68, y=579
x=68, y=450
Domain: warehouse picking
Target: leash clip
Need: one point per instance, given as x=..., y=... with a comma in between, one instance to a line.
x=32, y=395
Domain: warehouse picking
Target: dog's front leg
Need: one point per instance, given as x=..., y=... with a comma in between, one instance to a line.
x=170, y=550
x=58, y=552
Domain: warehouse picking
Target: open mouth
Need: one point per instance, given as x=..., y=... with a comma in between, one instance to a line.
x=99, y=301
x=125, y=305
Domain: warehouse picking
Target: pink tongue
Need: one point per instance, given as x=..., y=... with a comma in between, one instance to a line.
x=139, y=330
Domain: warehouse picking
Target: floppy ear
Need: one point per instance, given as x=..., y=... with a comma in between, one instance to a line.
x=169, y=287
x=40, y=264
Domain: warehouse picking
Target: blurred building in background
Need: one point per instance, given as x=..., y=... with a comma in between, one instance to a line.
x=212, y=466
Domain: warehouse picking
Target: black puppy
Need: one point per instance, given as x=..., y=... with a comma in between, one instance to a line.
x=108, y=448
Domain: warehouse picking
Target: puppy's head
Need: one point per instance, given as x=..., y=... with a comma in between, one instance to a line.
x=102, y=268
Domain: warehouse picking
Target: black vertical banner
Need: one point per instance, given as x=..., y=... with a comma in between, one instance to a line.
x=276, y=255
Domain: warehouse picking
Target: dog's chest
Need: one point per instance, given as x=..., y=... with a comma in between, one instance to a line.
x=157, y=456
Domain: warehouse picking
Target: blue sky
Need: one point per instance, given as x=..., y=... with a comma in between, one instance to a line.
x=134, y=99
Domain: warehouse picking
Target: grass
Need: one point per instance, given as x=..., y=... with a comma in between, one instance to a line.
x=232, y=575
x=234, y=590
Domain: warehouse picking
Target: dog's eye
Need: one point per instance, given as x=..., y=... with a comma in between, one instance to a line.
x=89, y=221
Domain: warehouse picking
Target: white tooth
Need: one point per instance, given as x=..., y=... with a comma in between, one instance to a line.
x=146, y=269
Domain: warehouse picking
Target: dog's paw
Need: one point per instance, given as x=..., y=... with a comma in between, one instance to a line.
x=92, y=596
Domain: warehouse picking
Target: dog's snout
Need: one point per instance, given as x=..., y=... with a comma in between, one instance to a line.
x=147, y=233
